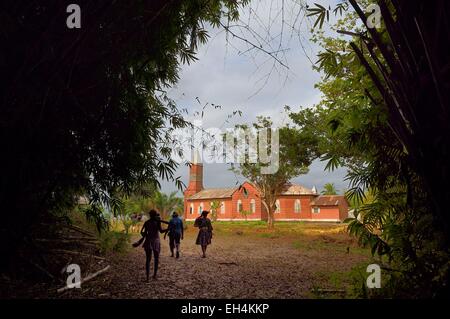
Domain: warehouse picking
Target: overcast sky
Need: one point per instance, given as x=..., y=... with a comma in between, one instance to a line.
x=230, y=75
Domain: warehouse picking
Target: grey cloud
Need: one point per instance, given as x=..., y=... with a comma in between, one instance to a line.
x=222, y=76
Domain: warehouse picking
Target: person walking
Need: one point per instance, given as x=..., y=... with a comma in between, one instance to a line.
x=205, y=231
x=176, y=234
x=152, y=245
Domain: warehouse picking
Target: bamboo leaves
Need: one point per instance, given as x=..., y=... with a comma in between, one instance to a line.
x=321, y=12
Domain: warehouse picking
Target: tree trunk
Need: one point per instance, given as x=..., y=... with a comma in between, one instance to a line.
x=270, y=219
x=269, y=209
x=269, y=222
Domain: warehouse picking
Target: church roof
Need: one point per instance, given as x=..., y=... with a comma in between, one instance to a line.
x=328, y=200
x=295, y=189
x=214, y=193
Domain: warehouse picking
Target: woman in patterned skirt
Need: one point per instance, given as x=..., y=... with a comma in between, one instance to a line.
x=205, y=231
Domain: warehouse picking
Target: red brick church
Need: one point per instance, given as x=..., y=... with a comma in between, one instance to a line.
x=296, y=202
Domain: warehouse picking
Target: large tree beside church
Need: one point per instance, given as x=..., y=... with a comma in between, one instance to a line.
x=294, y=154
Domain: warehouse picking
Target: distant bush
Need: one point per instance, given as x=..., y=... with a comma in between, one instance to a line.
x=112, y=241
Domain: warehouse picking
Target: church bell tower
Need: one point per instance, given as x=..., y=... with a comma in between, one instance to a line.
x=195, y=176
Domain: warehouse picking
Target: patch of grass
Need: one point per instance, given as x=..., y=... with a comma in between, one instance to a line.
x=352, y=283
x=306, y=236
x=292, y=229
x=355, y=249
x=284, y=228
x=245, y=227
x=311, y=244
x=339, y=243
x=247, y=224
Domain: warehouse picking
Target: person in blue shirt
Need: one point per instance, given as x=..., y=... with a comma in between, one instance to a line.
x=176, y=233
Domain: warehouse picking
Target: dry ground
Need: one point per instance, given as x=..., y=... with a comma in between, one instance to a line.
x=245, y=260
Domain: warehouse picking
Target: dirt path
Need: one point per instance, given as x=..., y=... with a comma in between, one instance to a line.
x=237, y=266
